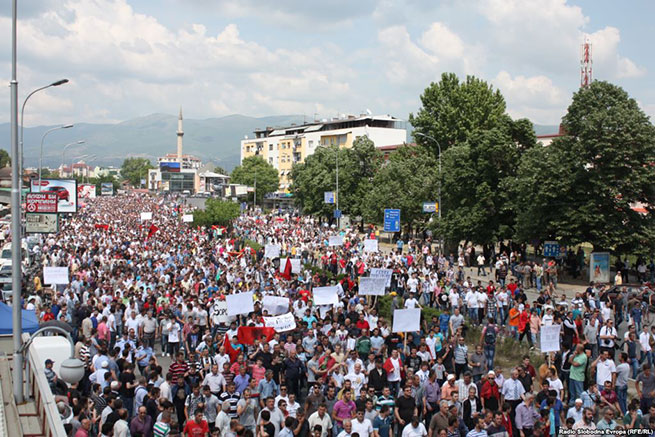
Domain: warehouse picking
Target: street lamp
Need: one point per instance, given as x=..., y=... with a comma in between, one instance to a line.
x=63, y=153
x=66, y=126
x=439, y=148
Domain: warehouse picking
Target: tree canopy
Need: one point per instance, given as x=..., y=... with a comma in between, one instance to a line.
x=217, y=212
x=5, y=159
x=256, y=168
x=135, y=169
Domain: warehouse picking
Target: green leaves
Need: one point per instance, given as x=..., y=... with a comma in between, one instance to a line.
x=217, y=212
x=255, y=168
x=135, y=169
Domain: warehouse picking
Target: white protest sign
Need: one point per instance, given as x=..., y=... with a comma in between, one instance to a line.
x=295, y=265
x=323, y=310
x=283, y=323
x=370, y=245
x=382, y=273
x=240, y=303
x=275, y=305
x=408, y=320
x=146, y=216
x=325, y=296
x=187, y=218
x=335, y=240
x=55, y=275
x=220, y=313
x=272, y=251
x=550, y=338
x=372, y=286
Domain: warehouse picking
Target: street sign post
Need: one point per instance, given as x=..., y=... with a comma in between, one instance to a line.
x=337, y=213
x=391, y=220
x=41, y=202
x=551, y=249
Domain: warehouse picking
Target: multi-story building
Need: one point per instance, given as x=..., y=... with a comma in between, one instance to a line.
x=284, y=146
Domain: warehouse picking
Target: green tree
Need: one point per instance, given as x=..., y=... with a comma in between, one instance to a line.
x=452, y=111
x=256, y=168
x=5, y=159
x=217, y=212
x=357, y=166
x=409, y=178
x=220, y=170
x=135, y=169
x=582, y=187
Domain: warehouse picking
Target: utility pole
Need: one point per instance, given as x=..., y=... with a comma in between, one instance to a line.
x=337, y=191
x=254, y=199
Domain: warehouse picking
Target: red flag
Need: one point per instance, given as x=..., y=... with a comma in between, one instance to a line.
x=248, y=334
x=287, y=270
x=101, y=226
x=233, y=353
x=152, y=231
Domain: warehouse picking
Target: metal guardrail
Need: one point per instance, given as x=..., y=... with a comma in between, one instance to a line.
x=44, y=400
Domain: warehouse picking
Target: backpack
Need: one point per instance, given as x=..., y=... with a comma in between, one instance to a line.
x=490, y=335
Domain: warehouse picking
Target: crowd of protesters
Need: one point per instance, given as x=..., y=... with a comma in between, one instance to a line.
x=143, y=290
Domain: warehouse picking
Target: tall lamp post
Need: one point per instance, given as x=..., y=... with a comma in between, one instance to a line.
x=419, y=134
x=63, y=153
x=66, y=126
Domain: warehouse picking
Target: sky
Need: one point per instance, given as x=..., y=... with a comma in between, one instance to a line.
x=130, y=58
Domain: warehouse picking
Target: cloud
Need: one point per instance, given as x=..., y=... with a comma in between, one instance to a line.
x=536, y=97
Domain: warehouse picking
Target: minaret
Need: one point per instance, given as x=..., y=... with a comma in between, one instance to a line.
x=180, y=134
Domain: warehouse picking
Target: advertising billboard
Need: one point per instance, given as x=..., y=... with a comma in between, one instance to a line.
x=106, y=189
x=41, y=223
x=65, y=189
x=86, y=191
x=41, y=202
x=169, y=167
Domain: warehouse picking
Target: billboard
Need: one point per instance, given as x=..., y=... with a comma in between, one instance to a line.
x=41, y=223
x=599, y=267
x=86, y=191
x=106, y=189
x=65, y=189
x=41, y=202
x=169, y=167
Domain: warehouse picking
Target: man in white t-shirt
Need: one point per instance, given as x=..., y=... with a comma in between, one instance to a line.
x=411, y=302
x=361, y=425
x=414, y=429
x=605, y=368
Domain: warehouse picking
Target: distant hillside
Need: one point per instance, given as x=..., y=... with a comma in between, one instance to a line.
x=214, y=139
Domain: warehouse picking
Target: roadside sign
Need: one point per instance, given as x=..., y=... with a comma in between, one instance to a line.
x=551, y=249
x=328, y=197
x=337, y=213
x=391, y=220
x=38, y=223
x=430, y=207
x=41, y=202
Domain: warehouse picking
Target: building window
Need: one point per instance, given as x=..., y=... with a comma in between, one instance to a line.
x=311, y=143
x=270, y=160
x=270, y=147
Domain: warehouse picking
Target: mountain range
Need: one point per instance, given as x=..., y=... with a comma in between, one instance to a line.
x=215, y=140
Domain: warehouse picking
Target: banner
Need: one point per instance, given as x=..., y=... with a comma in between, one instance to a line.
x=146, y=216
x=187, y=218
x=599, y=267
x=295, y=265
x=408, y=320
x=55, y=275
x=335, y=240
x=372, y=286
x=106, y=189
x=283, y=323
x=66, y=191
x=272, y=251
x=325, y=296
x=549, y=339
x=275, y=305
x=382, y=273
x=248, y=334
x=86, y=191
x=370, y=245
x=240, y=303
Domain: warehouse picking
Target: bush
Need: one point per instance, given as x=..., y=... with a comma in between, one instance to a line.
x=217, y=212
x=253, y=244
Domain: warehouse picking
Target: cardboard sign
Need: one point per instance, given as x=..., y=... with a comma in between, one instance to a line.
x=283, y=323
x=549, y=339
x=55, y=275
x=370, y=245
x=325, y=296
x=275, y=305
x=220, y=312
x=187, y=218
x=240, y=303
x=335, y=240
x=382, y=273
x=272, y=251
x=372, y=286
x=408, y=320
x=295, y=265
x=146, y=216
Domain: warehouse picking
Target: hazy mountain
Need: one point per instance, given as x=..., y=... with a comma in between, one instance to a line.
x=214, y=140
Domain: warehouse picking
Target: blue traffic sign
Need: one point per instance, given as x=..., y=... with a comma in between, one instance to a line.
x=391, y=220
x=337, y=213
x=328, y=197
x=551, y=249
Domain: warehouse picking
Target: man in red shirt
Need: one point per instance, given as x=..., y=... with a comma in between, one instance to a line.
x=197, y=427
x=512, y=286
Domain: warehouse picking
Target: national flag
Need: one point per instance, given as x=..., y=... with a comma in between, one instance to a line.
x=287, y=270
x=233, y=353
x=248, y=334
x=102, y=226
x=152, y=231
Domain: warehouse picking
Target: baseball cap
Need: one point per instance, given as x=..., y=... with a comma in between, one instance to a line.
x=49, y=361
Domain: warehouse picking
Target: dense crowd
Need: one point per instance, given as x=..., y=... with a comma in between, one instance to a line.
x=143, y=290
